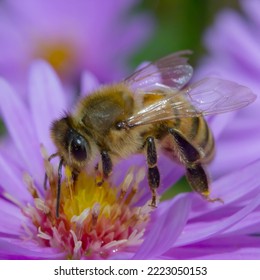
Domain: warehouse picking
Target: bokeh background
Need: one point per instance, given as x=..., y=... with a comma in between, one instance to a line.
x=179, y=24
x=175, y=25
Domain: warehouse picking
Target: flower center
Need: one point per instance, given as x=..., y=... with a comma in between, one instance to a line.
x=94, y=222
x=60, y=55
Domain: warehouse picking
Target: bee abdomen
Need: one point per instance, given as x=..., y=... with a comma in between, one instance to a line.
x=198, y=133
x=194, y=138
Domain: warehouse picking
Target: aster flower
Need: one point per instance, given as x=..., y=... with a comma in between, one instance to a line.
x=115, y=221
x=95, y=35
x=107, y=222
x=233, y=46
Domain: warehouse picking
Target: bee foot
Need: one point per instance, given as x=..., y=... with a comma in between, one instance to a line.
x=99, y=183
x=214, y=199
x=153, y=205
x=153, y=202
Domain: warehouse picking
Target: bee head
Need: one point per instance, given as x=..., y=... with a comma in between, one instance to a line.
x=72, y=146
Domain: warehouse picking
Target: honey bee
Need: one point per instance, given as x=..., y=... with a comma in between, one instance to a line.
x=155, y=107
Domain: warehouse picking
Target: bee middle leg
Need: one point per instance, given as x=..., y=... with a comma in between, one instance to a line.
x=195, y=173
x=153, y=172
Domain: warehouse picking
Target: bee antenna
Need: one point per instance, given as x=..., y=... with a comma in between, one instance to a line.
x=59, y=187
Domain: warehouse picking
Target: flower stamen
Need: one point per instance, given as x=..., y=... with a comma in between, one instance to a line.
x=30, y=185
x=94, y=222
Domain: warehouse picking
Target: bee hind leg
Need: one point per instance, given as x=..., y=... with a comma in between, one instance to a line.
x=153, y=172
x=199, y=182
x=195, y=172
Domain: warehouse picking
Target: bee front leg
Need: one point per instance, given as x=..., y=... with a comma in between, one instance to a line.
x=107, y=167
x=153, y=172
x=75, y=175
x=106, y=164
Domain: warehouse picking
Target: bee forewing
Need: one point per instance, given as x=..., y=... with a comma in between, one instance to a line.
x=172, y=71
x=213, y=96
x=208, y=96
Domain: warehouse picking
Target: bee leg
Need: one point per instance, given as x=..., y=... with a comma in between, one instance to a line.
x=198, y=180
x=98, y=176
x=45, y=181
x=45, y=175
x=75, y=175
x=153, y=172
x=59, y=187
x=195, y=173
x=107, y=167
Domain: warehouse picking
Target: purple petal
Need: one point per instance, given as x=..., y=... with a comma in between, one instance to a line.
x=230, y=188
x=251, y=7
x=10, y=153
x=89, y=83
x=11, y=220
x=237, y=143
x=248, y=225
x=219, y=123
x=47, y=100
x=169, y=223
x=227, y=248
x=15, y=249
x=122, y=256
x=11, y=210
x=202, y=231
x=11, y=180
x=229, y=29
x=18, y=122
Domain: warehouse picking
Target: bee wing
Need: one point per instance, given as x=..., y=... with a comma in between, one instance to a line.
x=172, y=71
x=214, y=96
x=206, y=97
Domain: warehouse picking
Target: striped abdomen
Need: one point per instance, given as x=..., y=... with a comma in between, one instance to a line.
x=192, y=137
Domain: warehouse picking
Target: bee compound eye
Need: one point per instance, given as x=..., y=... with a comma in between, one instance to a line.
x=78, y=148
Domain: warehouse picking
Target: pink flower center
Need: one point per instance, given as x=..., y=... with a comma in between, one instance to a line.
x=94, y=222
